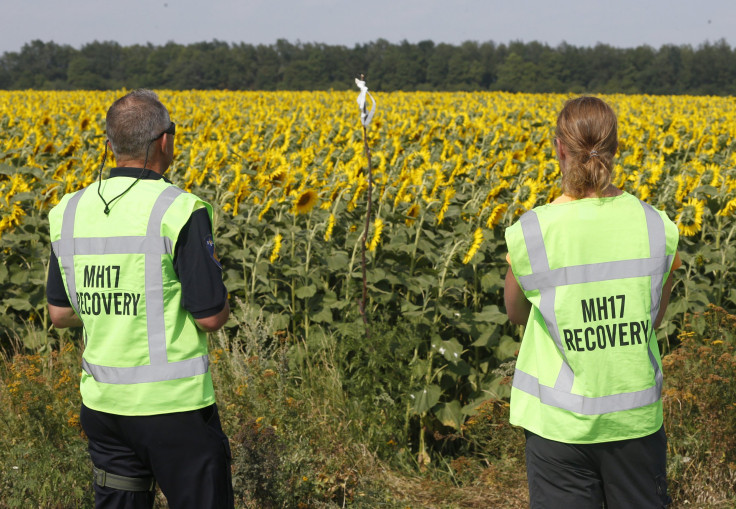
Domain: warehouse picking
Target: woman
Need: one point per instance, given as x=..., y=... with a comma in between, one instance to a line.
x=590, y=277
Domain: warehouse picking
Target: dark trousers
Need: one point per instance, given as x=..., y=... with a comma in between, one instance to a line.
x=186, y=452
x=622, y=474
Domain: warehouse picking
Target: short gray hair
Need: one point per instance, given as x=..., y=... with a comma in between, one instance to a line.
x=133, y=121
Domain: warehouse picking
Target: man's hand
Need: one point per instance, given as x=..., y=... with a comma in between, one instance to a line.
x=63, y=317
x=214, y=322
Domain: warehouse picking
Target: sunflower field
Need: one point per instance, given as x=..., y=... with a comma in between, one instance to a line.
x=288, y=178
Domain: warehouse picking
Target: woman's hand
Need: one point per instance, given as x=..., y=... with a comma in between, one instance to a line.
x=518, y=306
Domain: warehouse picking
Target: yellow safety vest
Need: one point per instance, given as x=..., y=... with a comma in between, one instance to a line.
x=589, y=368
x=144, y=354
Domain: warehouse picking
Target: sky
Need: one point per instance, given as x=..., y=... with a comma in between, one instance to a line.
x=619, y=23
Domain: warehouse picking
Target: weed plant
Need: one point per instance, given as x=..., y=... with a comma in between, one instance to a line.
x=700, y=411
x=43, y=461
x=321, y=423
x=291, y=429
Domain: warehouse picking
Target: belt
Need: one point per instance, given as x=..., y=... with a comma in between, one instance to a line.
x=120, y=482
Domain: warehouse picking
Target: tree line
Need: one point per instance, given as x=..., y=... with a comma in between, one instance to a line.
x=708, y=69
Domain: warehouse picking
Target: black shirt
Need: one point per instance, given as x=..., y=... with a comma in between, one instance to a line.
x=196, y=265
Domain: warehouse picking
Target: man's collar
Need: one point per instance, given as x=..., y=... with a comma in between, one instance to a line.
x=137, y=173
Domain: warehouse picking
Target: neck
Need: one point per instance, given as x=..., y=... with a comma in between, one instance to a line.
x=611, y=190
x=155, y=166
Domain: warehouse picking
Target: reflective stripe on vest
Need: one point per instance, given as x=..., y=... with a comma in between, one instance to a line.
x=152, y=245
x=546, y=281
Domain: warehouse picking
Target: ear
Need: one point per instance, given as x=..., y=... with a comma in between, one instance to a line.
x=561, y=152
x=164, y=143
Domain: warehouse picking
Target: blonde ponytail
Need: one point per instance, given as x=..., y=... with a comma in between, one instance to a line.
x=588, y=130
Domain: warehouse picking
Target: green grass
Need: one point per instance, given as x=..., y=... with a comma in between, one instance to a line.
x=325, y=423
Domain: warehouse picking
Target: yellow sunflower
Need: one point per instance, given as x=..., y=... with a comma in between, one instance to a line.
x=277, y=177
x=526, y=194
x=449, y=194
x=276, y=248
x=729, y=208
x=690, y=217
x=12, y=218
x=686, y=182
x=412, y=214
x=497, y=214
x=714, y=171
x=670, y=143
x=510, y=167
x=330, y=226
x=306, y=201
x=265, y=209
x=644, y=192
x=497, y=189
x=377, y=230
x=477, y=241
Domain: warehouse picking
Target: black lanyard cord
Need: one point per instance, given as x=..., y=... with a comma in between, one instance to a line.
x=99, y=181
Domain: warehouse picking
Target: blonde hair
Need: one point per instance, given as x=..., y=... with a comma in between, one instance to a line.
x=588, y=130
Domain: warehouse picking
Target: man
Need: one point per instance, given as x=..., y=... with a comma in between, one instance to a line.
x=133, y=262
